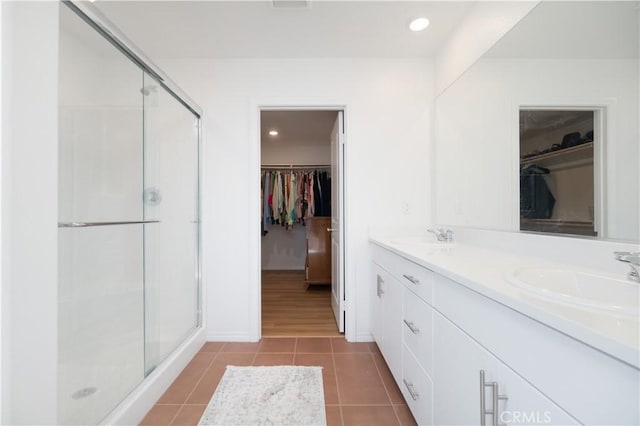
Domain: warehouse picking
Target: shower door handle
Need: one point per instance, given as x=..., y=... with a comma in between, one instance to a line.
x=90, y=224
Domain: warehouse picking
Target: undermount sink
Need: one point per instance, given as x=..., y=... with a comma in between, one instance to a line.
x=615, y=295
x=427, y=241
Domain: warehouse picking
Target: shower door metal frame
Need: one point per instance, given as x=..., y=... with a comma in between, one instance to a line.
x=94, y=18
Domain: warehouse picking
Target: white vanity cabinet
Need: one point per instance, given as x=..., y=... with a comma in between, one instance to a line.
x=387, y=322
x=447, y=334
x=467, y=374
x=410, y=359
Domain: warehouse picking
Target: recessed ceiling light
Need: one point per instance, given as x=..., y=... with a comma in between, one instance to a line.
x=419, y=24
x=273, y=132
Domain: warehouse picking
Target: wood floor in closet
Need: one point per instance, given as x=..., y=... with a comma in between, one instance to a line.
x=291, y=309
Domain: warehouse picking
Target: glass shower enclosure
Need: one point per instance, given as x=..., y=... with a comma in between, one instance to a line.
x=128, y=231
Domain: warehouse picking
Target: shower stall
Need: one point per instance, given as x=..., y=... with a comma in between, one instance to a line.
x=128, y=218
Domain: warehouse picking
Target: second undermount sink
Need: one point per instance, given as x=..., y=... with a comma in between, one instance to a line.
x=601, y=292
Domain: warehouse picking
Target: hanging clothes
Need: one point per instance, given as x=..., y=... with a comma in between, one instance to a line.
x=290, y=196
x=536, y=199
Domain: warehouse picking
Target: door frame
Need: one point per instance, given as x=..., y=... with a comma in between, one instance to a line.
x=255, y=243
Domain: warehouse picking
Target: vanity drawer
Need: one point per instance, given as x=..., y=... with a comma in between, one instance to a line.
x=417, y=388
x=417, y=329
x=416, y=278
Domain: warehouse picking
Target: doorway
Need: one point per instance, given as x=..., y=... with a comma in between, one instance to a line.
x=302, y=205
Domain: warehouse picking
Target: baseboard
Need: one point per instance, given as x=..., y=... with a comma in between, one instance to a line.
x=132, y=410
x=230, y=337
x=364, y=337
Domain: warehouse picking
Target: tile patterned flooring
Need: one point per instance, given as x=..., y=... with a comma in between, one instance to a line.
x=358, y=386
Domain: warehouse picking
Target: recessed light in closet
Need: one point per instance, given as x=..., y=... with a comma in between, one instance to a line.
x=273, y=132
x=419, y=24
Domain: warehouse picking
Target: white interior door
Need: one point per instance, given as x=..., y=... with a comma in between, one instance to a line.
x=337, y=224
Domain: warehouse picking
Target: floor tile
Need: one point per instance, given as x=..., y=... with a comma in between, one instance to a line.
x=341, y=345
x=186, y=381
x=358, y=379
x=320, y=360
x=358, y=386
x=160, y=415
x=404, y=415
x=275, y=344
x=273, y=359
x=373, y=347
x=328, y=373
x=240, y=347
x=212, y=347
x=206, y=387
x=234, y=358
x=189, y=415
x=369, y=415
x=313, y=345
x=334, y=416
x=389, y=382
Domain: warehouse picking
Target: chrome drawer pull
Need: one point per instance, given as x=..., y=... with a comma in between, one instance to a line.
x=412, y=327
x=411, y=278
x=379, y=290
x=414, y=395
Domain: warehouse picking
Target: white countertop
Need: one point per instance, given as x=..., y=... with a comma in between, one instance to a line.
x=484, y=271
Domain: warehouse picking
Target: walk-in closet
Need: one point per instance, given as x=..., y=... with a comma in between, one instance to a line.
x=295, y=182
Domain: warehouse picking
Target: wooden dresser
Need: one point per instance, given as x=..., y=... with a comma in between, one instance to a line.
x=318, y=260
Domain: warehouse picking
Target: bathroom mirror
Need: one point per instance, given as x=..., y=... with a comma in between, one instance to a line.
x=570, y=68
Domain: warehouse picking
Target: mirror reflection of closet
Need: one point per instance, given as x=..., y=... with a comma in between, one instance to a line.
x=558, y=182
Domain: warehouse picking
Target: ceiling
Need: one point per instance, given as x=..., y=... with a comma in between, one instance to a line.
x=297, y=127
x=256, y=29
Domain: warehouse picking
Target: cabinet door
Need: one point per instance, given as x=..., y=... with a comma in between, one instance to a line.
x=393, y=326
x=378, y=277
x=318, y=250
x=457, y=362
x=525, y=404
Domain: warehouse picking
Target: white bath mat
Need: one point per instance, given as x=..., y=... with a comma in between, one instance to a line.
x=281, y=395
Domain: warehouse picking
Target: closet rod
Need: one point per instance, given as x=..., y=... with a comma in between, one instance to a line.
x=295, y=166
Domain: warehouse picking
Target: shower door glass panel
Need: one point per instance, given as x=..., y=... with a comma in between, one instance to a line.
x=171, y=247
x=101, y=260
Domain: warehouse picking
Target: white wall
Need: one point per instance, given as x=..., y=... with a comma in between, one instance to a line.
x=477, y=133
x=485, y=24
x=29, y=211
x=295, y=153
x=388, y=155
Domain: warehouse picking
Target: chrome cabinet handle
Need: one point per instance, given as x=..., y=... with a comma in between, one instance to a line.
x=331, y=229
x=380, y=291
x=496, y=399
x=90, y=224
x=412, y=279
x=483, y=415
x=414, y=395
x=412, y=327
x=495, y=409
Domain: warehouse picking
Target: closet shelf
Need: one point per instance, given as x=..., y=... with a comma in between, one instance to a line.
x=575, y=227
x=582, y=154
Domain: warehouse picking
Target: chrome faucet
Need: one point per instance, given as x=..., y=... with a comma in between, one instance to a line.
x=442, y=234
x=633, y=259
